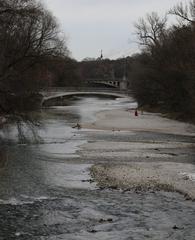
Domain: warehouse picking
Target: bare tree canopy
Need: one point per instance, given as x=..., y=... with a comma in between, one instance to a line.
x=29, y=39
x=185, y=12
x=163, y=74
x=151, y=29
x=29, y=35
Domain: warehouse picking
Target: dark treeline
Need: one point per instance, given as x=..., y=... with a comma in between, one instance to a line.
x=163, y=75
x=70, y=73
x=29, y=41
x=102, y=69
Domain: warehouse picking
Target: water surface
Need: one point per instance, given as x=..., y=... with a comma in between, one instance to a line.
x=46, y=192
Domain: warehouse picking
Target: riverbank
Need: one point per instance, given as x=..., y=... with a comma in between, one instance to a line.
x=178, y=116
x=125, y=120
x=49, y=193
x=148, y=171
x=139, y=177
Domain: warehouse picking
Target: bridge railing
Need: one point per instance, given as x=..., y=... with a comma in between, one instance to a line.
x=53, y=90
x=78, y=89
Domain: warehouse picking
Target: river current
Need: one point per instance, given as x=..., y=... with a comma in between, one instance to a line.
x=46, y=190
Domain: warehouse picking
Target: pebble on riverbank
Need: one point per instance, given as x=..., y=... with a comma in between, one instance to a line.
x=145, y=177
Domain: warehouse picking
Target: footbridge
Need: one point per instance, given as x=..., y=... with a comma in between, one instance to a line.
x=60, y=93
x=118, y=83
x=114, y=83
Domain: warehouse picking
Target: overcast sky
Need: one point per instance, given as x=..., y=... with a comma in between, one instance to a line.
x=92, y=25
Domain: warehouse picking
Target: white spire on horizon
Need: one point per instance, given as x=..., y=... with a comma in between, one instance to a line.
x=101, y=56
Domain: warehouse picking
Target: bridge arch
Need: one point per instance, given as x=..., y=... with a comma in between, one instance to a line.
x=57, y=96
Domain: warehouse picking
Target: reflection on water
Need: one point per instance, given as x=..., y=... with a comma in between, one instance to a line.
x=87, y=108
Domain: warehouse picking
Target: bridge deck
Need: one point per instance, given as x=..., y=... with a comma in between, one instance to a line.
x=57, y=93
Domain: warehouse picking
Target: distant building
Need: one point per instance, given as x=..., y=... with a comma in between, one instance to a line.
x=101, y=56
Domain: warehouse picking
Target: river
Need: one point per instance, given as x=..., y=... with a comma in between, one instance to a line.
x=46, y=191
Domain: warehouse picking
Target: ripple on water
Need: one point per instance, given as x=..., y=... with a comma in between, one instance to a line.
x=44, y=198
x=83, y=214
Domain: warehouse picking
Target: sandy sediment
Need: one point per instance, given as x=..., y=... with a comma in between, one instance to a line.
x=142, y=176
x=175, y=177
x=125, y=120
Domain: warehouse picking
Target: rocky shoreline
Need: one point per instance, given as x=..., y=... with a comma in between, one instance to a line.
x=141, y=177
x=144, y=175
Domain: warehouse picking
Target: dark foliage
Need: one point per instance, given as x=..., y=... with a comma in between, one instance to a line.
x=163, y=75
x=29, y=39
x=29, y=36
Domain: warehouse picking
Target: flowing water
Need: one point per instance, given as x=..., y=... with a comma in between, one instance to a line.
x=46, y=190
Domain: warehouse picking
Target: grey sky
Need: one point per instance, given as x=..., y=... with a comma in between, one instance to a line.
x=92, y=25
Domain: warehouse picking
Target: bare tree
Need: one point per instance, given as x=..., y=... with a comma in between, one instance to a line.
x=29, y=35
x=33, y=34
x=151, y=29
x=185, y=12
